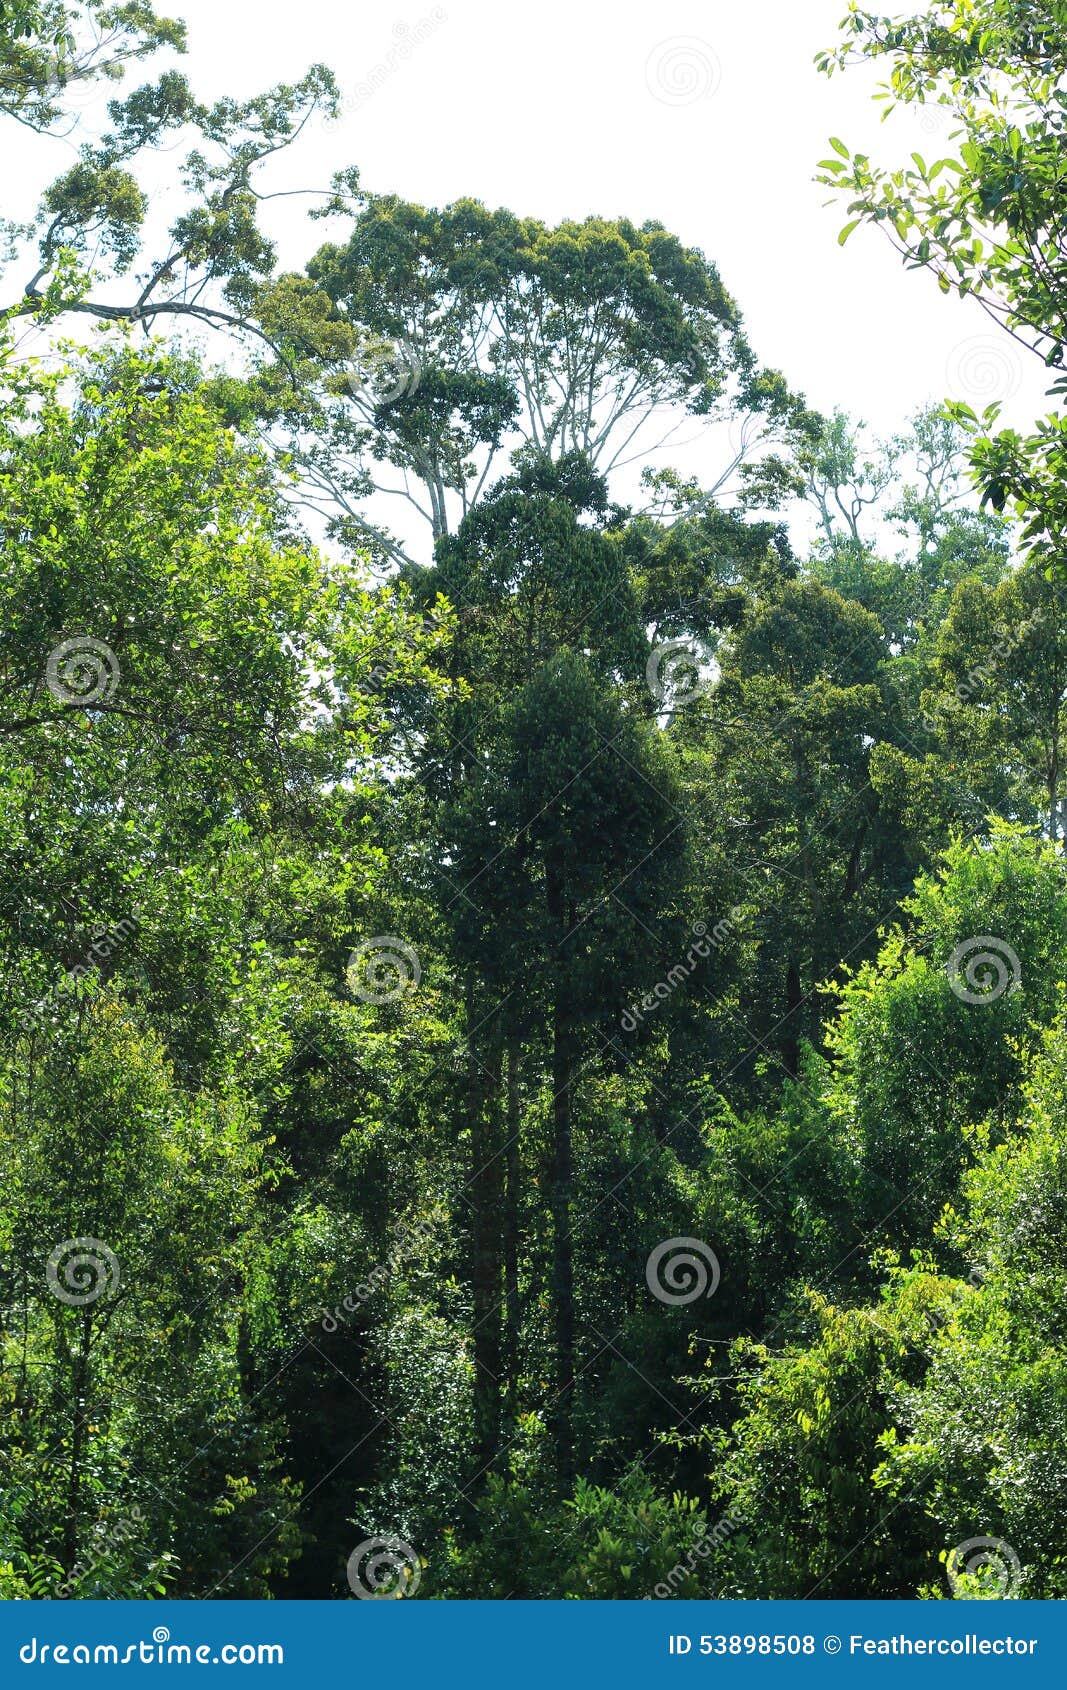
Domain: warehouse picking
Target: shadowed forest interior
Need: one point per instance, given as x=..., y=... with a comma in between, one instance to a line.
x=532, y=1048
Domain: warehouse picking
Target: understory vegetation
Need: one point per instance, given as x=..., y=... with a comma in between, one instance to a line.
x=532, y=1043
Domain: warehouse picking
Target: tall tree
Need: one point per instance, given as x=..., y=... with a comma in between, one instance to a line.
x=557, y=824
x=185, y=697
x=437, y=342
x=93, y=222
x=985, y=219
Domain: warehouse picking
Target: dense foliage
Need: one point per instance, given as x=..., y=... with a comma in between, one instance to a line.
x=532, y=1049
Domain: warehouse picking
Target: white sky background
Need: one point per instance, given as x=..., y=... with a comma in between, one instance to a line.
x=708, y=117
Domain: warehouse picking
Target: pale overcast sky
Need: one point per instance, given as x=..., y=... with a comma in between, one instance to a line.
x=709, y=117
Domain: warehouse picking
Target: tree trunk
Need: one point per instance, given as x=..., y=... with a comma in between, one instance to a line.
x=791, y=1024
x=562, y=1181
x=78, y=1443
x=485, y=1196
x=512, y=1184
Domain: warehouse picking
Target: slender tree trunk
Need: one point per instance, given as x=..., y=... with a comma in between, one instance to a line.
x=563, y=1249
x=791, y=1025
x=485, y=1185
x=512, y=1185
x=78, y=1443
x=855, y=855
x=562, y=1183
